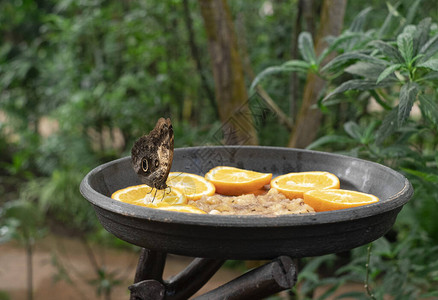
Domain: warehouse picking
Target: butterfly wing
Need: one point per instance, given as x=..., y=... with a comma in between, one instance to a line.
x=152, y=155
x=165, y=150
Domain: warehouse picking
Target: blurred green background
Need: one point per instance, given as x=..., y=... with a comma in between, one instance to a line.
x=81, y=80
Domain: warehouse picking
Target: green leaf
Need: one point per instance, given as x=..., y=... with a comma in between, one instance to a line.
x=359, y=21
x=430, y=294
x=389, y=51
x=357, y=84
x=337, y=42
x=366, y=69
x=314, y=263
x=389, y=125
x=430, y=48
x=330, y=139
x=392, y=10
x=353, y=130
x=425, y=176
x=392, y=18
x=431, y=76
x=340, y=61
x=429, y=108
x=412, y=11
x=408, y=95
x=368, y=134
x=410, y=29
x=296, y=64
x=418, y=57
x=421, y=34
x=388, y=71
x=305, y=45
x=406, y=46
x=430, y=64
x=290, y=66
x=382, y=247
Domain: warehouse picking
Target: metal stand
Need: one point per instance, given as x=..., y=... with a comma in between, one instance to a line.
x=278, y=275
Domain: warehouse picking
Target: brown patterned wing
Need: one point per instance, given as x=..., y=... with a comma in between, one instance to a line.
x=152, y=155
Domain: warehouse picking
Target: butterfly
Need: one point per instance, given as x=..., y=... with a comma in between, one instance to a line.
x=152, y=155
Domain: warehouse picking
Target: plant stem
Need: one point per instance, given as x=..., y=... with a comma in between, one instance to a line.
x=29, y=270
x=367, y=266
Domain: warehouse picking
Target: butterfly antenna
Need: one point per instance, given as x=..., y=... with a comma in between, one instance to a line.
x=165, y=191
x=180, y=173
x=174, y=177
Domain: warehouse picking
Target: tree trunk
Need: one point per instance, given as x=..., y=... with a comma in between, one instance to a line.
x=309, y=118
x=230, y=91
x=306, y=11
x=196, y=57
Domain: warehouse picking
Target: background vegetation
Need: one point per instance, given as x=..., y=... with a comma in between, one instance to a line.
x=81, y=80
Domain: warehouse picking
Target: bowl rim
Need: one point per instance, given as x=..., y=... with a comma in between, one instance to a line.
x=384, y=205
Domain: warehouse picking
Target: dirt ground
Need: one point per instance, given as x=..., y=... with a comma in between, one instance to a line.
x=72, y=255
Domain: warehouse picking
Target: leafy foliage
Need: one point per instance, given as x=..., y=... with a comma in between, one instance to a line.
x=99, y=72
x=408, y=60
x=96, y=74
x=21, y=220
x=405, y=80
x=393, y=68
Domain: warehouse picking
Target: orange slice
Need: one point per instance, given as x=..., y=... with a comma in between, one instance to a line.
x=234, y=181
x=192, y=186
x=293, y=185
x=325, y=200
x=178, y=208
x=143, y=195
x=258, y=192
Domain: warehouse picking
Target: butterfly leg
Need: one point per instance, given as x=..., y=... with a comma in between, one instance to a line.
x=155, y=194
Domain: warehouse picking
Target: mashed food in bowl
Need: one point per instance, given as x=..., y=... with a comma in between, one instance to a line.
x=271, y=203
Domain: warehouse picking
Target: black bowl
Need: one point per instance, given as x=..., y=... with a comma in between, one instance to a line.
x=251, y=237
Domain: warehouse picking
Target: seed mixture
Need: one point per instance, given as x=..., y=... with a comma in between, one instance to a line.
x=272, y=203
